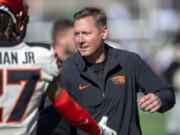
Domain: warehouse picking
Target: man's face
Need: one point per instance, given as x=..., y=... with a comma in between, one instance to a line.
x=88, y=38
x=65, y=44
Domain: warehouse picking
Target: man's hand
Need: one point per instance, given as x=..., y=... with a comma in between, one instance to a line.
x=149, y=103
x=105, y=130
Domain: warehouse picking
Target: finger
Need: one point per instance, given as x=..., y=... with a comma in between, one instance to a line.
x=146, y=104
x=151, y=106
x=103, y=120
x=155, y=109
x=143, y=99
x=114, y=133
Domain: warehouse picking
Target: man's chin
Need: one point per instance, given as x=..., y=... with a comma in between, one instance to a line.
x=84, y=54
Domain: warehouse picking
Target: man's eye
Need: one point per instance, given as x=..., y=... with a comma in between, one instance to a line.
x=76, y=34
x=86, y=33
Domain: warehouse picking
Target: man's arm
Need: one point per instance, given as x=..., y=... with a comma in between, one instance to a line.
x=159, y=96
x=74, y=113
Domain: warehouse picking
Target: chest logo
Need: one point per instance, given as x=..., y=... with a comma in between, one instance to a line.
x=118, y=79
x=83, y=87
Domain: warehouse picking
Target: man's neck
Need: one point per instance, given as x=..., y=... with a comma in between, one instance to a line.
x=98, y=57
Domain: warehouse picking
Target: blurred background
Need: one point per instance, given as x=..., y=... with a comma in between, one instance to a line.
x=150, y=28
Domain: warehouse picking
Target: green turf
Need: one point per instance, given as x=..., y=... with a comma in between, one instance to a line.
x=153, y=124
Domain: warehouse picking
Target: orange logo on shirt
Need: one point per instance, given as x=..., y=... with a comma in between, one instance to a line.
x=83, y=87
x=118, y=79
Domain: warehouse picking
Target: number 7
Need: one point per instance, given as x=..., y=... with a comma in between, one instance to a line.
x=16, y=77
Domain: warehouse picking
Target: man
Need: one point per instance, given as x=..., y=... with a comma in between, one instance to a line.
x=63, y=38
x=105, y=80
x=26, y=71
x=50, y=122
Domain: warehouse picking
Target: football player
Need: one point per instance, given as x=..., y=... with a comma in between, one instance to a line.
x=27, y=72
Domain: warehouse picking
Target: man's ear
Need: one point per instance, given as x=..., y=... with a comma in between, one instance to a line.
x=105, y=32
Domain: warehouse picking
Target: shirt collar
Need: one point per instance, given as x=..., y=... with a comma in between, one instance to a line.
x=111, y=55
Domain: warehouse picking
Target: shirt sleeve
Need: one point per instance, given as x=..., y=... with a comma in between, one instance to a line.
x=150, y=82
x=49, y=65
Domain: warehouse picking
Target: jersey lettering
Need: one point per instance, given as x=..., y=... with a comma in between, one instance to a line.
x=13, y=58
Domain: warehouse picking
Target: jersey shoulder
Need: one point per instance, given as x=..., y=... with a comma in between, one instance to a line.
x=40, y=49
x=41, y=45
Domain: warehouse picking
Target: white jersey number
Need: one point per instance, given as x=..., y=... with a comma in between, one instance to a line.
x=30, y=78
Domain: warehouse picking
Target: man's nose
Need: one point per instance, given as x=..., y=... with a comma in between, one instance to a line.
x=81, y=38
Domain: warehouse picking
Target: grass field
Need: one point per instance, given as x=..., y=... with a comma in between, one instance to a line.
x=153, y=124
